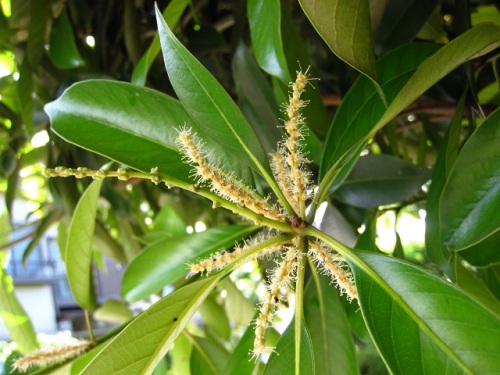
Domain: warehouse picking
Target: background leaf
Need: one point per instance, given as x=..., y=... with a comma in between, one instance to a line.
x=434, y=327
x=127, y=123
x=78, y=254
x=207, y=358
x=165, y=260
x=62, y=48
x=380, y=180
x=471, y=196
x=326, y=320
x=345, y=26
x=283, y=360
x=264, y=17
x=145, y=341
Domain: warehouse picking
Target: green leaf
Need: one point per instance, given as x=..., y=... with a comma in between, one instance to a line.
x=172, y=15
x=180, y=354
x=379, y=180
x=145, y=341
x=45, y=224
x=326, y=320
x=283, y=360
x=62, y=47
x=222, y=124
x=165, y=261
x=361, y=107
x=345, y=26
x=207, y=357
x=239, y=309
x=422, y=324
x=14, y=316
x=127, y=123
x=78, y=257
x=471, y=197
x=401, y=22
x=264, y=18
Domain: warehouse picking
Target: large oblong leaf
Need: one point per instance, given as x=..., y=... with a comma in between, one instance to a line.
x=471, y=197
x=434, y=327
x=165, y=260
x=210, y=105
x=145, y=341
x=346, y=27
x=78, y=253
x=127, y=123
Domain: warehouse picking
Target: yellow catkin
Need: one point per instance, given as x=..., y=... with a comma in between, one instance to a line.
x=281, y=171
x=279, y=282
x=46, y=357
x=220, y=259
x=294, y=157
x=333, y=265
x=223, y=185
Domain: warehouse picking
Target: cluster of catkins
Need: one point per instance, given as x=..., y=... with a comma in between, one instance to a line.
x=289, y=168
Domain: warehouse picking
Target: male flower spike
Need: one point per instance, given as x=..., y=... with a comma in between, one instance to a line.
x=288, y=166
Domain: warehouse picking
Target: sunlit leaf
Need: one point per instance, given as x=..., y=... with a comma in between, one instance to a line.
x=78, y=254
x=130, y=124
x=146, y=340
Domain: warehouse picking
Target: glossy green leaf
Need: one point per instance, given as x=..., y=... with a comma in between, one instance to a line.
x=401, y=21
x=172, y=14
x=127, y=123
x=207, y=358
x=165, y=261
x=14, y=316
x=264, y=18
x=78, y=257
x=326, y=320
x=361, y=107
x=434, y=327
x=379, y=180
x=62, y=47
x=471, y=197
x=283, y=360
x=145, y=341
x=221, y=122
x=345, y=26
x=168, y=222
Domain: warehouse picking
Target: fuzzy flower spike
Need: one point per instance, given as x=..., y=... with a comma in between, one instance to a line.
x=288, y=166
